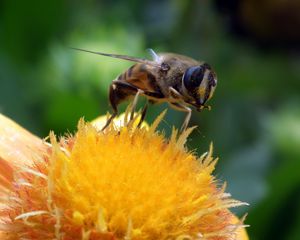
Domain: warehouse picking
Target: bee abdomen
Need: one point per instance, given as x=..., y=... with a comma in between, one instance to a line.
x=141, y=77
x=129, y=71
x=122, y=77
x=153, y=83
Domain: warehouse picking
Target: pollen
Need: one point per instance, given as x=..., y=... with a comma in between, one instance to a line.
x=122, y=183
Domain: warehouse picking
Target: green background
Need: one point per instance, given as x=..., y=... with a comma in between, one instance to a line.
x=253, y=46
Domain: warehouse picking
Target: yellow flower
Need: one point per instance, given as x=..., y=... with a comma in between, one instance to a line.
x=123, y=183
x=119, y=121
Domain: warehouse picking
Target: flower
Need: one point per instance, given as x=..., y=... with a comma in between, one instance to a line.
x=121, y=183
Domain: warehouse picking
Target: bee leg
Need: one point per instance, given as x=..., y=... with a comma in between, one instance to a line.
x=118, y=92
x=138, y=93
x=113, y=99
x=114, y=114
x=207, y=107
x=174, y=93
x=186, y=109
x=123, y=85
x=144, y=111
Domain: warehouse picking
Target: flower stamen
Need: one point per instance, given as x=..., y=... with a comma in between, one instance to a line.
x=30, y=214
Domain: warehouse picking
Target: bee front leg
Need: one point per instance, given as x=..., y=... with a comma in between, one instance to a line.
x=186, y=109
x=174, y=93
x=207, y=107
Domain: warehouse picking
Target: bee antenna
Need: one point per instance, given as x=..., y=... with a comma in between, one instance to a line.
x=124, y=57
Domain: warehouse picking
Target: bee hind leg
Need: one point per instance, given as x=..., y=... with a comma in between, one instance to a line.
x=114, y=101
x=186, y=109
x=143, y=114
x=114, y=114
x=120, y=91
x=134, y=103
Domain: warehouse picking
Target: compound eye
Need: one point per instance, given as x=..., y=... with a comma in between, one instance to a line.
x=193, y=77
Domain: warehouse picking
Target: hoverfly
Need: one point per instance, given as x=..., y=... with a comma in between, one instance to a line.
x=176, y=79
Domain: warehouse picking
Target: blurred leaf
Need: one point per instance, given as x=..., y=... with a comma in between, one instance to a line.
x=279, y=209
x=13, y=98
x=285, y=129
x=245, y=173
x=65, y=110
x=28, y=26
x=275, y=216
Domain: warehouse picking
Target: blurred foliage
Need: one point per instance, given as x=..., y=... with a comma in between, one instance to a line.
x=255, y=118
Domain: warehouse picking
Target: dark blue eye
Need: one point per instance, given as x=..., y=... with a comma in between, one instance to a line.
x=193, y=77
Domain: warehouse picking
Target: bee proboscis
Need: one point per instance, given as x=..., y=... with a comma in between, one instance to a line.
x=176, y=79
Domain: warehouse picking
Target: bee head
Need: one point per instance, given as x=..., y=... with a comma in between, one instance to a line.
x=199, y=83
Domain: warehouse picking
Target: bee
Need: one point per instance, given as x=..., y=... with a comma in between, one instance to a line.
x=179, y=80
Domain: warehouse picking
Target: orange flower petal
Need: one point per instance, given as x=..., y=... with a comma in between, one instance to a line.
x=17, y=145
x=6, y=173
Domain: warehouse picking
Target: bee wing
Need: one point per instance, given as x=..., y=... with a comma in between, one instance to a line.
x=125, y=57
x=154, y=55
